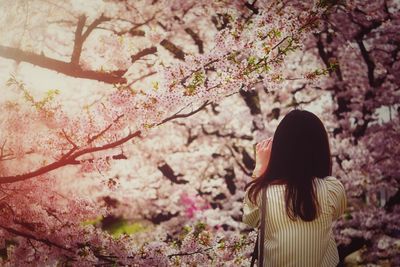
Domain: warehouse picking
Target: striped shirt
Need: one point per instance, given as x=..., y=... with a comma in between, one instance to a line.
x=299, y=243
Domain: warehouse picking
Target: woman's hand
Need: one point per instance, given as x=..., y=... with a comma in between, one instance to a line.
x=263, y=154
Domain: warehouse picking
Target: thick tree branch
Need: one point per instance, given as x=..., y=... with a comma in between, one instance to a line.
x=230, y=178
x=133, y=32
x=196, y=39
x=365, y=30
x=107, y=158
x=252, y=7
x=161, y=217
x=143, y=53
x=373, y=81
x=169, y=173
x=123, y=32
x=76, y=52
x=66, y=68
x=93, y=25
x=81, y=36
x=252, y=100
x=171, y=47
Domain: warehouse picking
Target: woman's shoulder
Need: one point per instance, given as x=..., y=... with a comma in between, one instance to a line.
x=332, y=183
x=331, y=180
x=328, y=179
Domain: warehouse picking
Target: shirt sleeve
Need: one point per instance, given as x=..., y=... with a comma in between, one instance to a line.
x=336, y=197
x=251, y=212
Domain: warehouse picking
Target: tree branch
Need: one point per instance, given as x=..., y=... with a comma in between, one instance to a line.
x=67, y=68
x=68, y=159
x=169, y=173
x=252, y=7
x=143, y=53
x=252, y=100
x=161, y=217
x=106, y=258
x=93, y=25
x=78, y=42
x=177, y=115
x=81, y=36
x=232, y=135
x=171, y=47
x=29, y=236
x=71, y=157
x=141, y=78
x=196, y=39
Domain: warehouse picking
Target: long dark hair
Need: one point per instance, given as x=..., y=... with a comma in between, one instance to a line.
x=299, y=153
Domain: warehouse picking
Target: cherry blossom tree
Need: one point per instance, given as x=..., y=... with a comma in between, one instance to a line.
x=144, y=113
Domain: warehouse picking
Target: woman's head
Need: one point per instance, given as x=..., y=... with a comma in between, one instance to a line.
x=300, y=148
x=300, y=151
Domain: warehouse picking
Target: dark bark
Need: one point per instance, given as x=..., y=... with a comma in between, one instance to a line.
x=66, y=68
x=161, y=217
x=252, y=100
x=143, y=53
x=171, y=47
x=169, y=173
x=196, y=39
x=230, y=180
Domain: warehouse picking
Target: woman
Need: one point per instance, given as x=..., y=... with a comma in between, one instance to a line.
x=303, y=199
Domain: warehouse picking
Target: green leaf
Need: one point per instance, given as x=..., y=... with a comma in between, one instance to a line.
x=251, y=60
x=155, y=85
x=347, y=216
x=122, y=226
x=93, y=221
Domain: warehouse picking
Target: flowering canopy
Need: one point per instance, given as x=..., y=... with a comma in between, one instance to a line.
x=127, y=126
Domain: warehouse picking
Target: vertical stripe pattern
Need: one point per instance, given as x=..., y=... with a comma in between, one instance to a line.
x=299, y=243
